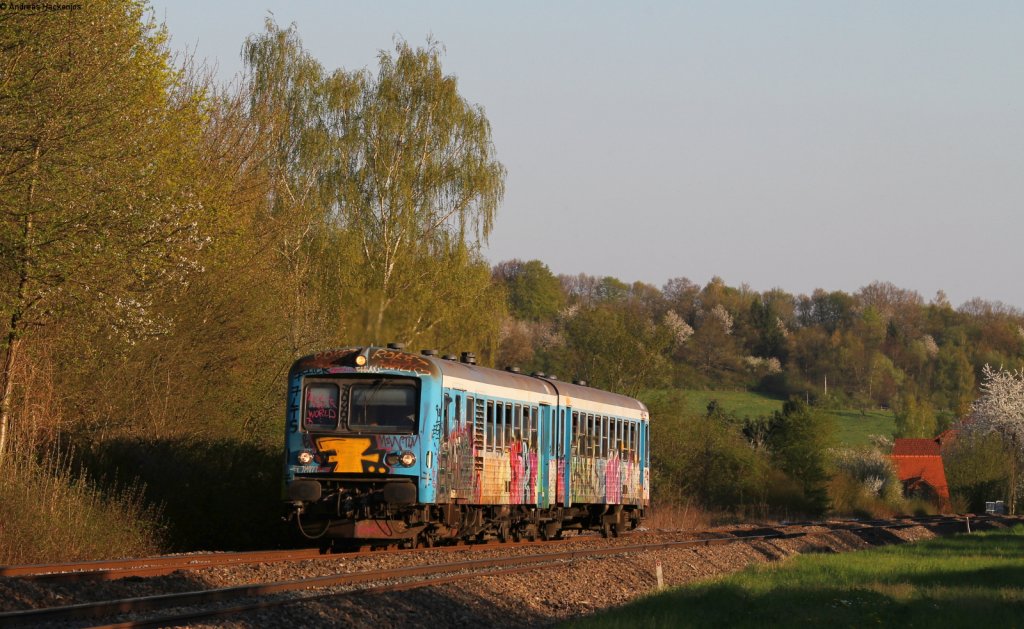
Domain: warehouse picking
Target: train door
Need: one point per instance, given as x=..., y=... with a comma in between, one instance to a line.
x=544, y=458
x=565, y=456
x=645, y=459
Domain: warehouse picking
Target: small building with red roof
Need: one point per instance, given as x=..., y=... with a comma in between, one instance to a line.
x=920, y=469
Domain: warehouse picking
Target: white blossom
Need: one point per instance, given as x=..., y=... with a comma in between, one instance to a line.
x=719, y=312
x=681, y=330
x=770, y=365
x=930, y=346
x=1000, y=408
x=780, y=324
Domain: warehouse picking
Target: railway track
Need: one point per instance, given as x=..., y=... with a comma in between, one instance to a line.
x=186, y=607
x=168, y=564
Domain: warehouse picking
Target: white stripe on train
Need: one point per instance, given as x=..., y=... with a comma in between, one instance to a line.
x=533, y=397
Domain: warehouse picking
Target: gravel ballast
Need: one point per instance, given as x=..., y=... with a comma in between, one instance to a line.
x=546, y=595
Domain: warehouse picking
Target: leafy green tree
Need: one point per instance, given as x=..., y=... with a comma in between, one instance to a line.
x=769, y=330
x=301, y=114
x=977, y=469
x=420, y=188
x=953, y=379
x=616, y=346
x=96, y=165
x=534, y=292
x=799, y=442
x=915, y=417
x=388, y=187
x=702, y=458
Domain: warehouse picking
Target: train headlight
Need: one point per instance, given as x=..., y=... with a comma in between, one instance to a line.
x=360, y=360
x=305, y=458
x=408, y=459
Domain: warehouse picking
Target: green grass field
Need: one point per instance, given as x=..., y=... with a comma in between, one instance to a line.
x=853, y=427
x=960, y=581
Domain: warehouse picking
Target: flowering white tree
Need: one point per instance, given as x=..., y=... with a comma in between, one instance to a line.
x=1000, y=409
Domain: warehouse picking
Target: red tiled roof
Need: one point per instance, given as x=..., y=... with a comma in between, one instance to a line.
x=916, y=447
x=919, y=461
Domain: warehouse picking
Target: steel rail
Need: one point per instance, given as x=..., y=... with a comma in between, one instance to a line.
x=158, y=566
x=155, y=566
x=114, y=607
x=105, y=568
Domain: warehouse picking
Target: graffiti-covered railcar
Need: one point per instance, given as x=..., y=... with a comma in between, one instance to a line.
x=384, y=445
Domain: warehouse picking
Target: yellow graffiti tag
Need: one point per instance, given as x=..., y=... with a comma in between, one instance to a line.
x=351, y=456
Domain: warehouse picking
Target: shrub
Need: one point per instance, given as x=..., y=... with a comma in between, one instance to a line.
x=977, y=469
x=217, y=494
x=49, y=513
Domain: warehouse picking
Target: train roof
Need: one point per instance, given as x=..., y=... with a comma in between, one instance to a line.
x=389, y=358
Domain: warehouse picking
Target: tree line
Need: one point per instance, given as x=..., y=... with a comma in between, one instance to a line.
x=879, y=347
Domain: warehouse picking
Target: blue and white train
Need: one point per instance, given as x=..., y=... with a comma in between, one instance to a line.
x=387, y=446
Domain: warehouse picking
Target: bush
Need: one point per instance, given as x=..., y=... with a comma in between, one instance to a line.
x=977, y=470
x=49, y=513
x=217, y=494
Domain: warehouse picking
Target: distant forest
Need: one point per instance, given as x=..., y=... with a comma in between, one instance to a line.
x=881, y=347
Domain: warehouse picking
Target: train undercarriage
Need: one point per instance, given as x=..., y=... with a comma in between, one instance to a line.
x=343, y=515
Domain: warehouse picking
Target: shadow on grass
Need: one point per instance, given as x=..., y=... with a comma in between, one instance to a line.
x=942, y=583
x=729, y=605
x=214, y=494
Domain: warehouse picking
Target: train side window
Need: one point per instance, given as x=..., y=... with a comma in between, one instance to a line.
x=591, y=435
x=531, y=415
x=575, y=438
x=447, y=415
x=458, y=411
x=509, y=425
x=517, y=422
x=489, y=438
x=595, y=436
x=585, y=427
x=559, y=430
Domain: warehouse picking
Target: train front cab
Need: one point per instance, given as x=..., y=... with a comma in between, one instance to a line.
x=358, y=446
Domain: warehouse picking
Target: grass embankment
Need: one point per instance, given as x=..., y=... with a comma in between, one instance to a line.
x=961, y=581
x=853, y=427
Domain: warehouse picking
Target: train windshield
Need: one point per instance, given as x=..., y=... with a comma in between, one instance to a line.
x=383, y=404
x=360, y=404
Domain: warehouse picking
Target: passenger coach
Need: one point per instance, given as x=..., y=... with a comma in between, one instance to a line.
x=383, y=445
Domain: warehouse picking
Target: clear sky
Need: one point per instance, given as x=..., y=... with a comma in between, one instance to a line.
x=790, y=144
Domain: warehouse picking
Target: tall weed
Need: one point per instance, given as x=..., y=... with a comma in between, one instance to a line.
x=50, y=513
